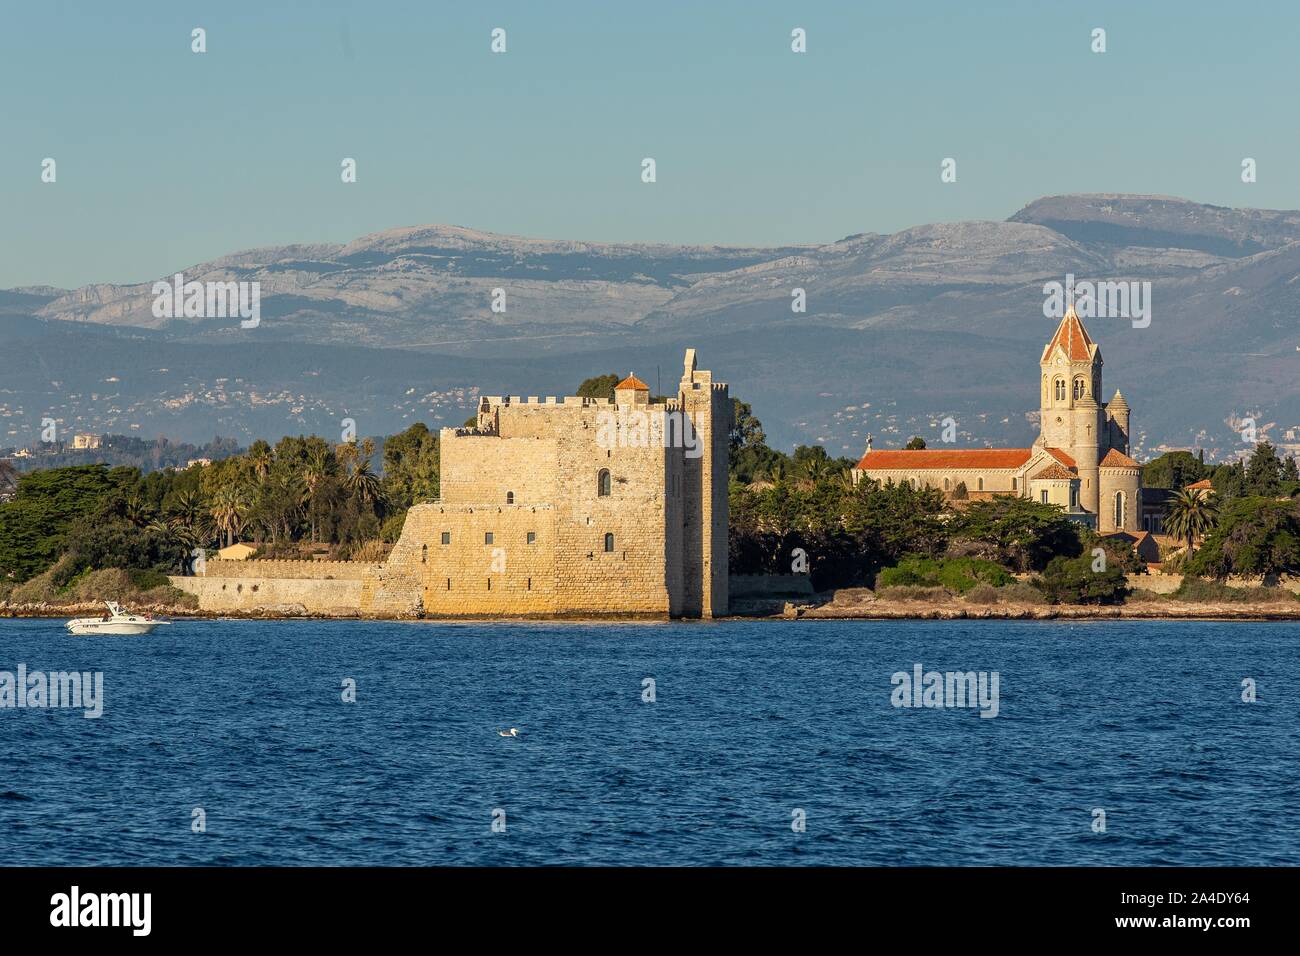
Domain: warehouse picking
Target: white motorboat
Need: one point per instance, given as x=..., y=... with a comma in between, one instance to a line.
x=116, y=621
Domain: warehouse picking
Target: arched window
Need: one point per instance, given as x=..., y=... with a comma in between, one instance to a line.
x=602, y=483
x=424, y=554
x=1078, y=389
x=609, y=544
x=1060, y=389
x=945, y=484
x=981, y=485
x=510, y=497
x=1119, y=509
x=1013, y=484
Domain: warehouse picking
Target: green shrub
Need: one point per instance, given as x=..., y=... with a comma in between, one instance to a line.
x=1021, y=592
x=914, y=593
x=145, y=580
x=1073, y=581
x=110, y=584
x=40, y=589
x=168, y=595
x=392, y=528
x=955, y=574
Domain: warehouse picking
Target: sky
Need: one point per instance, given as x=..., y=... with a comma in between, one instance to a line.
x=166, y=157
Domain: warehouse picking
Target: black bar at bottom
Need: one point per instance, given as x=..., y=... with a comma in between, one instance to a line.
x=212, y=905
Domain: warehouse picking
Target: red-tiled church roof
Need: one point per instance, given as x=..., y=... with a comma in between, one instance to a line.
x=1054, y=471
x=1072, y=337
x=950, y=458
x=1066, y=460
x=1117, y=459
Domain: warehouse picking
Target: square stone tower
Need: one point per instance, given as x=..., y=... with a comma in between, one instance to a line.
x=706, y=475
x=582, y=506
x=1069, y=412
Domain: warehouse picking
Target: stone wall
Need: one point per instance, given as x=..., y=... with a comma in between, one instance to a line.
x=300, y=570
x=334, y=596
x=1169, y=583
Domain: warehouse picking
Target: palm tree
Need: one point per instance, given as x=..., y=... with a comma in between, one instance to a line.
x=346, y=454
x=1190, y=515
x=261, y=458
x=771, y=475
x=815, y=469
x=362, y=482
x=315, y=475
x=137, y=511
x=229, y=508
x=188, y=509
x=279, y=507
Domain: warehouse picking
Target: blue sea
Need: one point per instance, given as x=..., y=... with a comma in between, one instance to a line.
x=754, y=727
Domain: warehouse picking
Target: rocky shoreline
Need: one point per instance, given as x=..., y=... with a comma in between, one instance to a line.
x=836, y=608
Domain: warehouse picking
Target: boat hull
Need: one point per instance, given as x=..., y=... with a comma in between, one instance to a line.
x=111, y=627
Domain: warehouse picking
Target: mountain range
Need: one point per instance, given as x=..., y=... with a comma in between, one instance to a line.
x=900, y=331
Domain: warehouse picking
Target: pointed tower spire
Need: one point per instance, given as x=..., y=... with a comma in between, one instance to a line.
x=1073, y=339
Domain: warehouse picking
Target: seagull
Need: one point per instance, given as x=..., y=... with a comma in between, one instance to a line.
x=512, y=732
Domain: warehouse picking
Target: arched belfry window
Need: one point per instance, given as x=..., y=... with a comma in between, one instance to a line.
x=1078, y=389
x=510, y=497
x=1060, y=389
x=609, y=544
x=603, y=483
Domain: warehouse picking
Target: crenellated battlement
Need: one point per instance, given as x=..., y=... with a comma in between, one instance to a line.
x=288, y=568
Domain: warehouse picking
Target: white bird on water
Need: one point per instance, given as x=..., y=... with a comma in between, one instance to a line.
x=512, y=732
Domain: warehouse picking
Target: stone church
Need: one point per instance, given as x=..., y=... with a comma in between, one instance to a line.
x=581, y=506
x=1079, y=461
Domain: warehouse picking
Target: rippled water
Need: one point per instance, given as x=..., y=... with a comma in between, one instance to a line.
x=752, y=721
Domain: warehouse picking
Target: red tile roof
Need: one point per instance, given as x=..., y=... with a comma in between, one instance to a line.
x=1117, y=459
x=1203, y=485
x=1055, y=471
x=1072, y=337
x=632, y=382
x=942, y=458
x=1062, y=457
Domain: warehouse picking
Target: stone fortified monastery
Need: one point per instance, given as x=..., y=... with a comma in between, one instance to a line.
x=586, y=507
x=1079, y=461
x=580, y=507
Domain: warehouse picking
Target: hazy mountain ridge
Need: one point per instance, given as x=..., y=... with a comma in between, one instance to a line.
x=933, y=320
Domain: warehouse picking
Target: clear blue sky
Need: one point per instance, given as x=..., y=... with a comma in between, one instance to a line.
x=166, y=158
